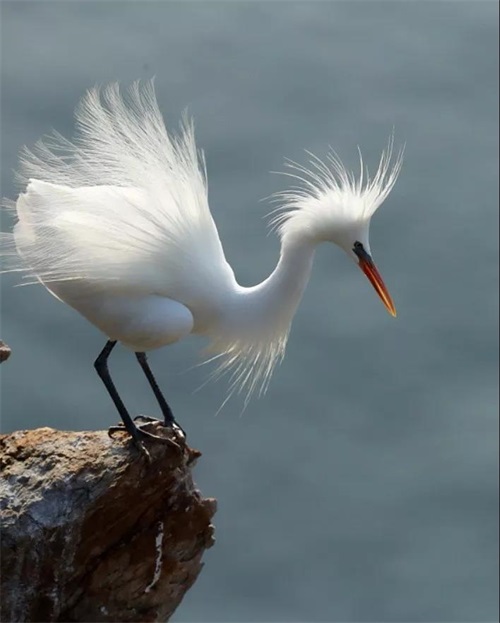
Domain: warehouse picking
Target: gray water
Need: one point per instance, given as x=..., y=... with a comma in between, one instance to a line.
x=363, y=487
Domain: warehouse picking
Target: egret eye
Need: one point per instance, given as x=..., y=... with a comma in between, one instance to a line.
x=359, y=250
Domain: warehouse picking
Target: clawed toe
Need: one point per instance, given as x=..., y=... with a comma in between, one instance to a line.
x=139, y=435
x=147, y=419
x=118, y=428
x=142, y=420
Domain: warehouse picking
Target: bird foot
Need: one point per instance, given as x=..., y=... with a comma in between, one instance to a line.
x=140, y=435
x=143, y=420
x=147, y=418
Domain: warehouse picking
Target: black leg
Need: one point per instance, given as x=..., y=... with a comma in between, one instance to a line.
x=168, y=416
x=101, y=365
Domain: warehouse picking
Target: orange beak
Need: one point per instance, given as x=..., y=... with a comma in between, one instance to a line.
x=368, y=267
x=370, y=270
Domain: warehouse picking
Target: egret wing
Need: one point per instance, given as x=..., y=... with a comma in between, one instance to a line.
x=124, y=205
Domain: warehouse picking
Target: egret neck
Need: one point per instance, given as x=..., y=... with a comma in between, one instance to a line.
x=275, y=300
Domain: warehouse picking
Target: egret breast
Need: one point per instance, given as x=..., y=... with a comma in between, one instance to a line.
x=140, y=323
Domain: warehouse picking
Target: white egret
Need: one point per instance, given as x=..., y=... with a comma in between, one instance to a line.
x=117, y=225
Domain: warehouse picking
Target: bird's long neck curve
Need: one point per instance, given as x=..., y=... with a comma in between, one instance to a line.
x=277, y=297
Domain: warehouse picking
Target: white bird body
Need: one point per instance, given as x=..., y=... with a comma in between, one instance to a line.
x=117, y=225
x=140, y=308
x=155, y=309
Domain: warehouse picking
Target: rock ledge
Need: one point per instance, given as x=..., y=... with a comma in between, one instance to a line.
x=92, y=531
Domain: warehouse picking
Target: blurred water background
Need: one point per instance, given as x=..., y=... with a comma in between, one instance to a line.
x=364, y=486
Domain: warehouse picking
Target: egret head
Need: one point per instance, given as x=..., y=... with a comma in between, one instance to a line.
x=331, y=204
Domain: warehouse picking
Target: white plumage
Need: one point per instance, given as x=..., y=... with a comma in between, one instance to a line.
x=117, y=225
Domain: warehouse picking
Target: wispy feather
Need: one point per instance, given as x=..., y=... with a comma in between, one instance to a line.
x=122, y=211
